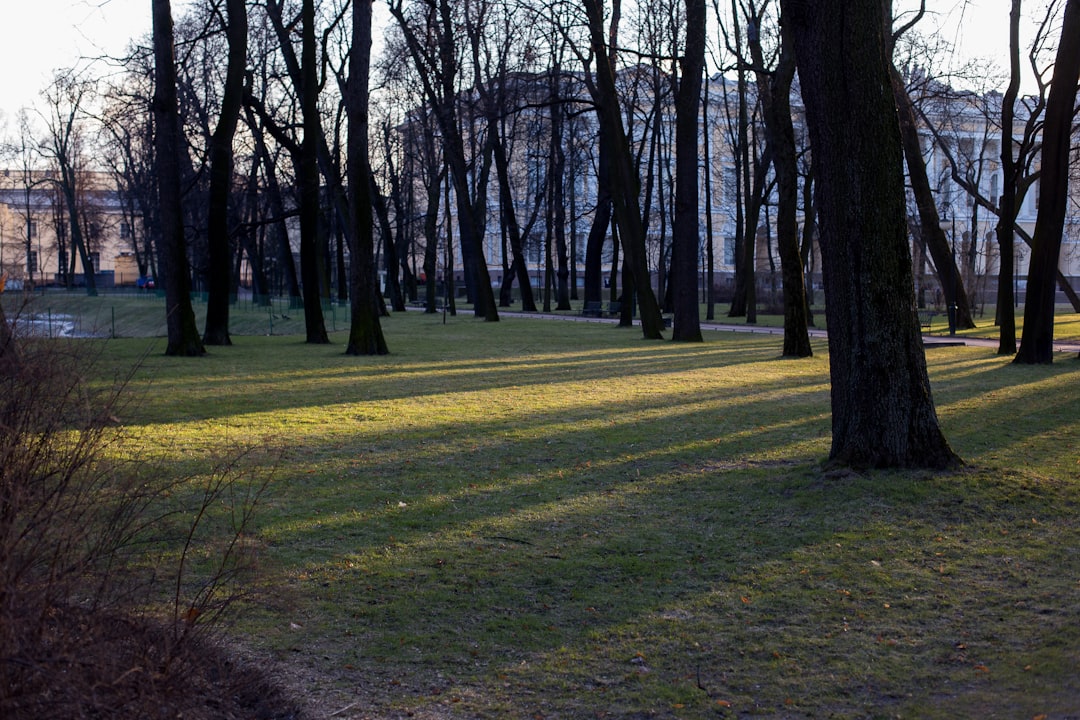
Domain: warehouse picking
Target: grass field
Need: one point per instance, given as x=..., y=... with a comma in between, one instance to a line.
x=557, y=520
x=130, y=314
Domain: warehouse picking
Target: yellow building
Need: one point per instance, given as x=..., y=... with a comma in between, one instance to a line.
x=35, y=232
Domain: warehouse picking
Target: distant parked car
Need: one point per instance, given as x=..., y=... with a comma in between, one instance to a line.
x=145, y=283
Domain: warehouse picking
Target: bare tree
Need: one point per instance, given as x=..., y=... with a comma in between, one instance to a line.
x=127, y=149
x=931, y=233
x=623, y=184
x=491, y=43
x=774, y=91
x=64, y=148
x=1037, y=345
x=434, y=50
x=365, y=334
x=685, y=233
x=883, y=412
x=216, y=331
x=183, y=335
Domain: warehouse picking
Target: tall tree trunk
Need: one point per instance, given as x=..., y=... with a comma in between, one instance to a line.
x=390, y=262
x=1037, y=344
x=433, y=177
x=948, y=273
x=685, y=238
x=594, y=243
x=744, y=301
x=776, y=105
x=311, y=271
x=365, y=332
x=183, y=335
x=509, y=216
x=623, y=180
x=710, y=259
x=557, y=206
x=78, y=242
x=440, y=89
x=1010, y=171
x=882, y=411
x=219, y=276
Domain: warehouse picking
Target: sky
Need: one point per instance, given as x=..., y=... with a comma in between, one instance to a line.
x=40, y=36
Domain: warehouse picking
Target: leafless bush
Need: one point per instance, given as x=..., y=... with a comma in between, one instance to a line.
x=104, y=611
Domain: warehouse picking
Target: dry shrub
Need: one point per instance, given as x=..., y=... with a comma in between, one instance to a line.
x=91, y=543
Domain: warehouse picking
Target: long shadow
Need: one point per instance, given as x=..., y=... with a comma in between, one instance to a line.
x=442, y=559
x=241, y=392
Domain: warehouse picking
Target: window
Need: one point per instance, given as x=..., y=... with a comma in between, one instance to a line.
x=729, y=250
x=730, y=186
x=31, y=262
x=31, y=228
x=125, y=231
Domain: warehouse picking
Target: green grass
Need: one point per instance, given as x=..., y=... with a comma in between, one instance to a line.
x=545, y=519
x=135, y=314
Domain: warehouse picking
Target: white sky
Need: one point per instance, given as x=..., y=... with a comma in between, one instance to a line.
x=39, y=36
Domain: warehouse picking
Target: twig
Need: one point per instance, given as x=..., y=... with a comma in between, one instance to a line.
x=343, y=710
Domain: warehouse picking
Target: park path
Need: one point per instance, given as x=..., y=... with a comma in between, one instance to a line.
x=929, y=339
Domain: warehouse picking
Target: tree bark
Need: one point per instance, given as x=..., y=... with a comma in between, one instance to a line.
x=623, y=179
x=307, y=177
x=438, y=75
x=883, y=414
x=183, y=335
x=593, y=290
x=365, y=333
x=775, y=93
x=1010, y=172
x=948, y=273
x=1037, y=343
x=219, y=275
x=685, y=228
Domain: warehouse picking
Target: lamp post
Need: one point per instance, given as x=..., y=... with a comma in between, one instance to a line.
x=946, y=223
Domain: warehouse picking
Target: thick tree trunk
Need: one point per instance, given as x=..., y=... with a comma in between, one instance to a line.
x=183, y=335
x=685, y=230
x=219, y=274
x=365, y=332
x=883, y=413
x=1037, y=344
x=311, y=270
